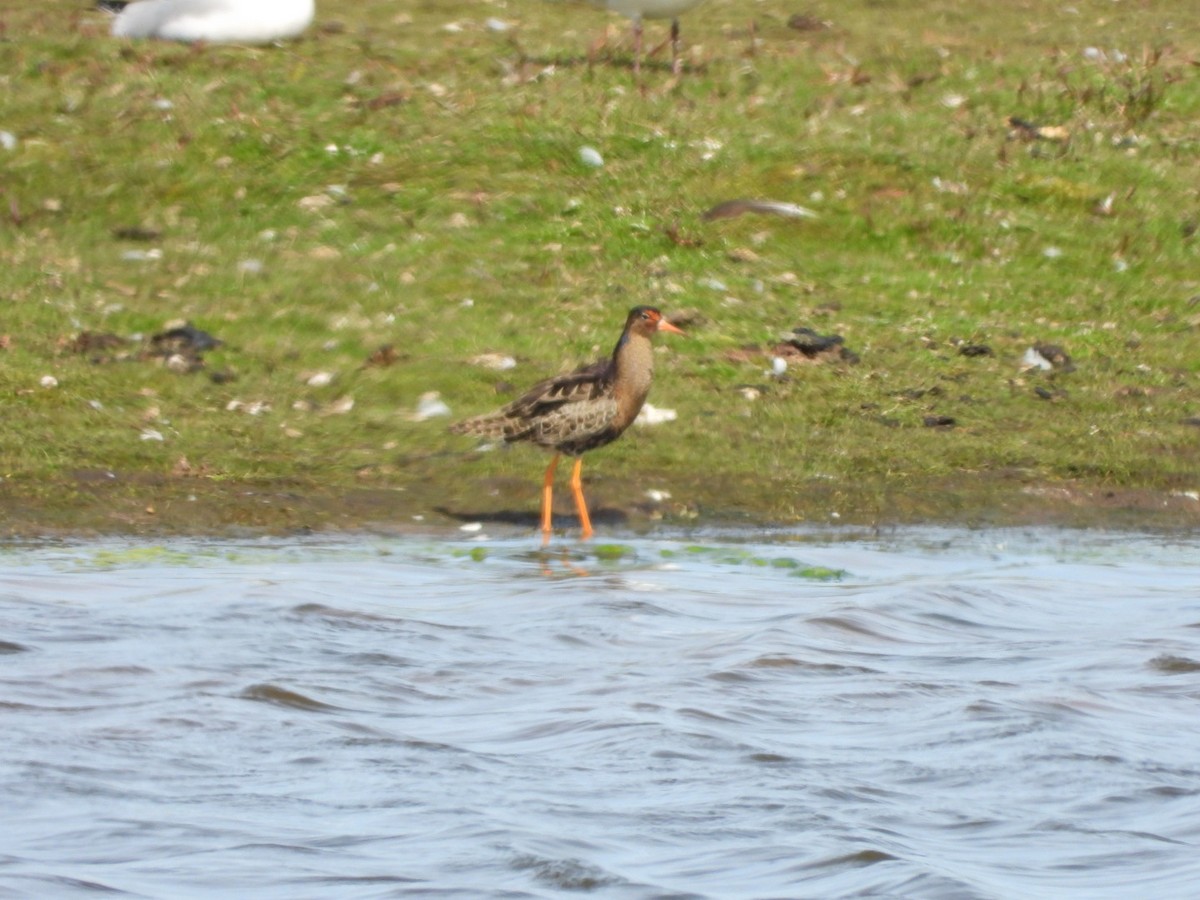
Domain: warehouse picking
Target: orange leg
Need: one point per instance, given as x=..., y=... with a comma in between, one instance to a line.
x=580, y=504
x=548, y=498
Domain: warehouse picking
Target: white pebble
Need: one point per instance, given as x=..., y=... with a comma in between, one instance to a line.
x=315, y=202
x=321, y=379
x=429, y=406
x=178, y=363
x=590, y=156
x=652, y=415
x=778, y=366
x=151, y=434
x=8, y=140
x=497, y=362
x=340, y=407
x=141, y=255
x=1034, y=360
x=48, y=381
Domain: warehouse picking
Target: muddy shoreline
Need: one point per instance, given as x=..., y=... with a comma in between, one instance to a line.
x=102, y=503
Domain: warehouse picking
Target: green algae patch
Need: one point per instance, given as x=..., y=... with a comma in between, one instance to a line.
x=818, y=573
x=134, y=557
x=612, y=553
x=737, y=556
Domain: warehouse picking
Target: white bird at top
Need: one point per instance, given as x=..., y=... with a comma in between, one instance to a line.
x=215, y=21
x=637, y=10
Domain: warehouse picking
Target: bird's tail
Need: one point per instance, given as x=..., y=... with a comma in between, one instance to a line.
x=490, y=426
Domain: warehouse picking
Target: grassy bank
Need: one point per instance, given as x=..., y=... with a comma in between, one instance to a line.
x=409, y=176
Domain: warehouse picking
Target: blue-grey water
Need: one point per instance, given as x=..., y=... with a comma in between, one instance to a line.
x=942, y=714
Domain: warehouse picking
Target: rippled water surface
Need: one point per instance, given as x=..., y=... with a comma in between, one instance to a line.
x=929, y=714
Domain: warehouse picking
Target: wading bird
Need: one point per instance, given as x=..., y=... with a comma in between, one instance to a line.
x=581, y=410
x=212, y=21
x=637, y=10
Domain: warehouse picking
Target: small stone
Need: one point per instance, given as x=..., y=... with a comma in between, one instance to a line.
x=590, y=156
x=939, y=422
x=652, y=415
x=497, y=362
x=179, y=363
x=1034, y=360
x=141, y=255
x=315, y=202
x=339, y=407
x=974, y=350
x=430, y=406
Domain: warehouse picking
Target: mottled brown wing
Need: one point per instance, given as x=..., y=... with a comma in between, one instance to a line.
x=522, y=419
x=587, y=383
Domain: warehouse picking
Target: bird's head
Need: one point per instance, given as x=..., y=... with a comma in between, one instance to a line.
x=646, y=320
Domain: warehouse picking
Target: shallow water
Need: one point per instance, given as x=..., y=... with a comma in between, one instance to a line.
x=927, y=714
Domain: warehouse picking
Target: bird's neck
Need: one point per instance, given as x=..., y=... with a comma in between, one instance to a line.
x=633, y=369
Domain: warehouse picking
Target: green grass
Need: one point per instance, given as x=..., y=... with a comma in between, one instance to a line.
x=453, y=217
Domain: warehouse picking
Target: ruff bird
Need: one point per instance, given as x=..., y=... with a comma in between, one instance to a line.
x=580, y=410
